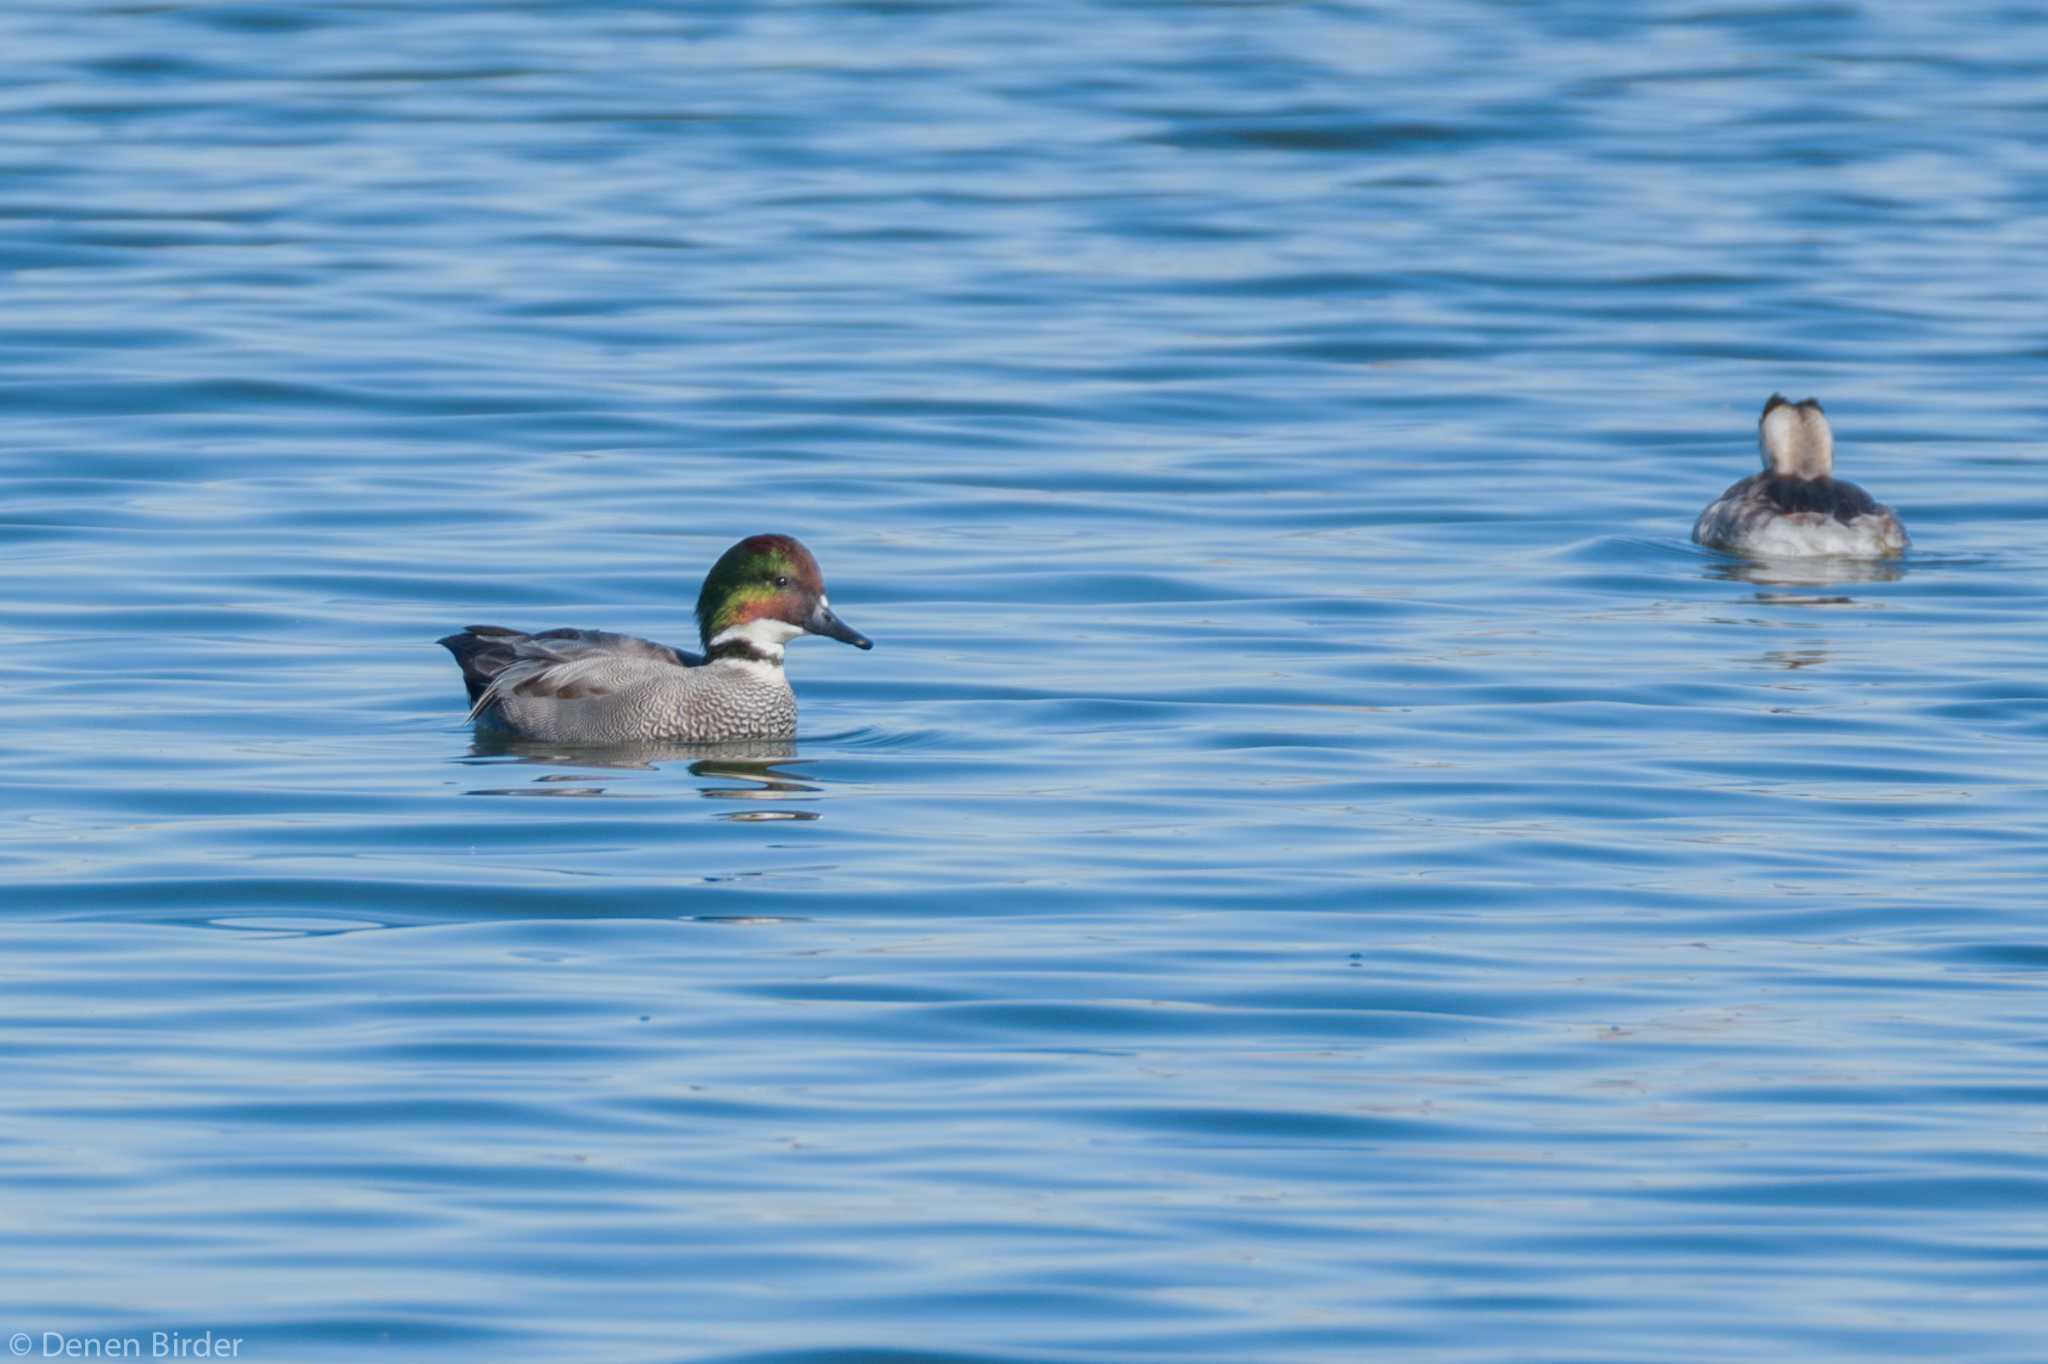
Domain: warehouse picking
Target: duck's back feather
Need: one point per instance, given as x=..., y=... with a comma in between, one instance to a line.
x=565, y=662
x=1836, y=498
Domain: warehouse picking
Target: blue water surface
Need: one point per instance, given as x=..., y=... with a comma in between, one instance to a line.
x=1317, y=866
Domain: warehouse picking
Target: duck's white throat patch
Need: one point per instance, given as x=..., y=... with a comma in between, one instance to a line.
x=766, y=637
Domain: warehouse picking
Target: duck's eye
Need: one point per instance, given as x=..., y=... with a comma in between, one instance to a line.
x=781, y=581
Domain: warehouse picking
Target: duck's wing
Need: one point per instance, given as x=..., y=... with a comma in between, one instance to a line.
x=1722, y=519
x=620, y=644
x=565, y=665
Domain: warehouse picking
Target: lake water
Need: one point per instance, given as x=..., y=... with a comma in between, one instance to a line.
x=1317, y=865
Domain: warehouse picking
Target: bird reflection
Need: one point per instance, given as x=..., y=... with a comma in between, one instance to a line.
x=1816, y=572
x=749, y=770
x=1792, y=660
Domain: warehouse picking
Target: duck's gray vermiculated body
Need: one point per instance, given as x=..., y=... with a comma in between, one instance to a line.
x=592, y=687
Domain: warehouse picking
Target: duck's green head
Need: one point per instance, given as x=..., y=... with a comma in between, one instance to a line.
x=763, y=592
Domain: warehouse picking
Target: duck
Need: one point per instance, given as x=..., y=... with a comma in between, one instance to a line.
x=1796, y=507
x=592, y=687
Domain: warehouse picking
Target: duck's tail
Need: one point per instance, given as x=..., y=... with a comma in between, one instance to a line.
x=483, y=651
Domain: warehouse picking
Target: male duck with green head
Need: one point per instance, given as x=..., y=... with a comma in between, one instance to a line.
x=590, y=687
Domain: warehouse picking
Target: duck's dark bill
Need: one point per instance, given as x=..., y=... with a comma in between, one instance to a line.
x=823, y=622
